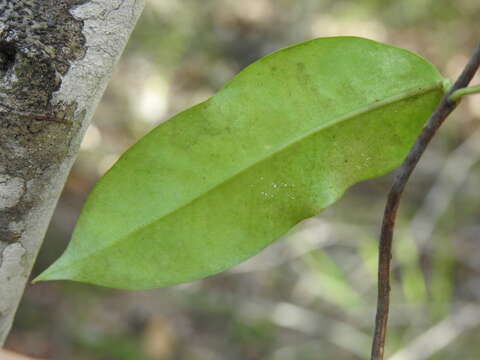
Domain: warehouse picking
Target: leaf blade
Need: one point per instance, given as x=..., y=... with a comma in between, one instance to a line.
x=247, y=145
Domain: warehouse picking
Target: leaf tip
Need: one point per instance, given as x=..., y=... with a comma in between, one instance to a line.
x=38, y=279
x=53, y=272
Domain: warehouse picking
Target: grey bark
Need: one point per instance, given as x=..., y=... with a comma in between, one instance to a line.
x=56, y=57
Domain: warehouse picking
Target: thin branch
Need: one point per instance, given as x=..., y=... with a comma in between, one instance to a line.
x=444, y=109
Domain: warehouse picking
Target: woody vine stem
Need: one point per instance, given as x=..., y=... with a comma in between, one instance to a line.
x=448, y=103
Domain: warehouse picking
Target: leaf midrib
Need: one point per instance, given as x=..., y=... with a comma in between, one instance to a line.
x=351, y=115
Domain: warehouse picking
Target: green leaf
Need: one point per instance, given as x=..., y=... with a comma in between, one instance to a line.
x=220, y=181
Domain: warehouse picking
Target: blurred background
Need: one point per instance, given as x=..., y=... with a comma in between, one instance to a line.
x=311, y=295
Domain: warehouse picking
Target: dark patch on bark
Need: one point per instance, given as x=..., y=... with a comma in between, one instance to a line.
x=39, y=39
x=7, y=56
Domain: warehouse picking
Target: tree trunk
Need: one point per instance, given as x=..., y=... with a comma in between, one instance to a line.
x=55, y=59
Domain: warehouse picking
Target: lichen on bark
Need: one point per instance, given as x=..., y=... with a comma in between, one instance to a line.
x=39, y=40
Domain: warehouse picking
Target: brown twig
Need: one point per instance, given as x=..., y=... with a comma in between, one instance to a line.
x=445, y=107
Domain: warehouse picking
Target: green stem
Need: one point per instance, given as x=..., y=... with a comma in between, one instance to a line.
x=456, y=95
